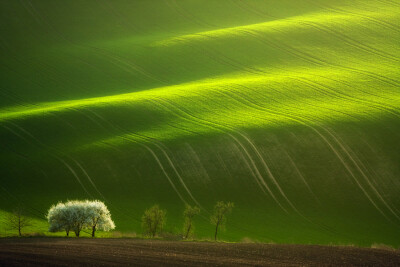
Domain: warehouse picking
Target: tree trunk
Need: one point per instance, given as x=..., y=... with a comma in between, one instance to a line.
x=19, y=225
x=188, y=231
x=216, y=231
x=93, y=230
x=67, y=231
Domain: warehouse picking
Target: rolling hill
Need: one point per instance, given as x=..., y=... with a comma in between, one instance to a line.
x=290, y=109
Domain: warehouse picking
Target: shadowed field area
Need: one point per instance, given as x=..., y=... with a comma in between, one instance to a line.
x=109, y=252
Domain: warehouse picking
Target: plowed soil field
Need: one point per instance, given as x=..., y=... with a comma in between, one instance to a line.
x=124, y=252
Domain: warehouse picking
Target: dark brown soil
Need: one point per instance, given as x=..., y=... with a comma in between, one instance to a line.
x=123, y=252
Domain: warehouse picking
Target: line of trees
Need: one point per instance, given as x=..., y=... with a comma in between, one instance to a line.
x=154, y=218
x=94, y=215
x=78, y=215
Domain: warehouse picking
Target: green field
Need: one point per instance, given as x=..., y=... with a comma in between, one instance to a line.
x=290, y=109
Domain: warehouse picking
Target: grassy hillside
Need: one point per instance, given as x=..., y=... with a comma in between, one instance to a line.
x=290, y=109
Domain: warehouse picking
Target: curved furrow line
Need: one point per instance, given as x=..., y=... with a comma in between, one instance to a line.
x=355, y=159
x=46, y=66
x=185, y=14
x=95, y=122
x=321, y=62
x=197, y=159
x=90, y=179
x=280, y=46
x=220, y=59
x=358, y=168
x=288, y=109
x=242, y=149
x=306, y=122
x=371, y=171
x=263, y=182
x=7, y=92
x=14, y=100
x=257, y=153
x=369, y=18
x=116, y=208
x=76, y=176
x=75, y=161
x=50, y=153
x=370, y=167
x=179, y=176
x=183, y=129
x=370, y=103
x=214, y=54
x=391, y=2
x=30, y=81
x=159, y=164
x=324, y=92
x=318, y=61
x=31, y=10
x=250, y=69
x=162, y=148
x=304, y=56
x=34, y=165
x=49, y=148
x=165, y=173
x=302, y=178
x=187, y=116
x=18, y=200
x=350, y=41
x=358, y=88
x=283, y=47
x=256, y=177
x=375, y=104
x=268, y=170
x=309, y=58
x=258, y=174
x=108, y=6
x=344, y=96
x=144, y=138
x=373, y=75
x=244, y=6
x=388, y=106
x=127, y=66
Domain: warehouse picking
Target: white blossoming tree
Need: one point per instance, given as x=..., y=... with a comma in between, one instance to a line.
x=77, y=215
x=59, y=218
x=99, y=217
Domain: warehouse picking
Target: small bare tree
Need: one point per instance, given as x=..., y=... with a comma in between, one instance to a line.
x=17, y=221
x=218, y=218
x=153, y=220
x=188, y=214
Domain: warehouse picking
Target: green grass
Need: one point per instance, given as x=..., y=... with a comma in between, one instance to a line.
x=290, y=109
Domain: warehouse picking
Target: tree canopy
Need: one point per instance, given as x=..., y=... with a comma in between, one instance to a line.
x=76, y=215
